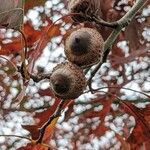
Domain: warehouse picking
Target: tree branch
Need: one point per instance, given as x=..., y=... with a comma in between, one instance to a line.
x=125, y=20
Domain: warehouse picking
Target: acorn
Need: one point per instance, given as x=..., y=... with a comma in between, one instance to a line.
x=67, y=81
x=84, y=46
x=84, y=7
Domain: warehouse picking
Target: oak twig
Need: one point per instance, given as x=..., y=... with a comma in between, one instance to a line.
x=36, y=78
x=120, y=24
x=39, y=77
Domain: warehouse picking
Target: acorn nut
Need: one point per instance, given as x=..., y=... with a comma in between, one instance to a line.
x=67, y=81
x=84, y=46
x=85, y=7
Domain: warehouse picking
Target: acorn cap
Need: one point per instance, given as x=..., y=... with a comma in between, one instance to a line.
x=83, y=47
x=85, y=7
x=67, y=81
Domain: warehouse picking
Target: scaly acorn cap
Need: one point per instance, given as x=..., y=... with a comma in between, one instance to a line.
x=67, y=81
x=85, y=7
x=84, y=46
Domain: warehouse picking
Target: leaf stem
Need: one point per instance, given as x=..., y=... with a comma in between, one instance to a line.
x=56, y=114
x=124, y=89
x=17, y=136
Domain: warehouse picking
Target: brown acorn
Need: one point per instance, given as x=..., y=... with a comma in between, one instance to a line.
x=67, y=81
x=84, y=7
x=83, y=47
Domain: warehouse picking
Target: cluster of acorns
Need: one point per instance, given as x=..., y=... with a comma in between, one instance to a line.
x=83, y=49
